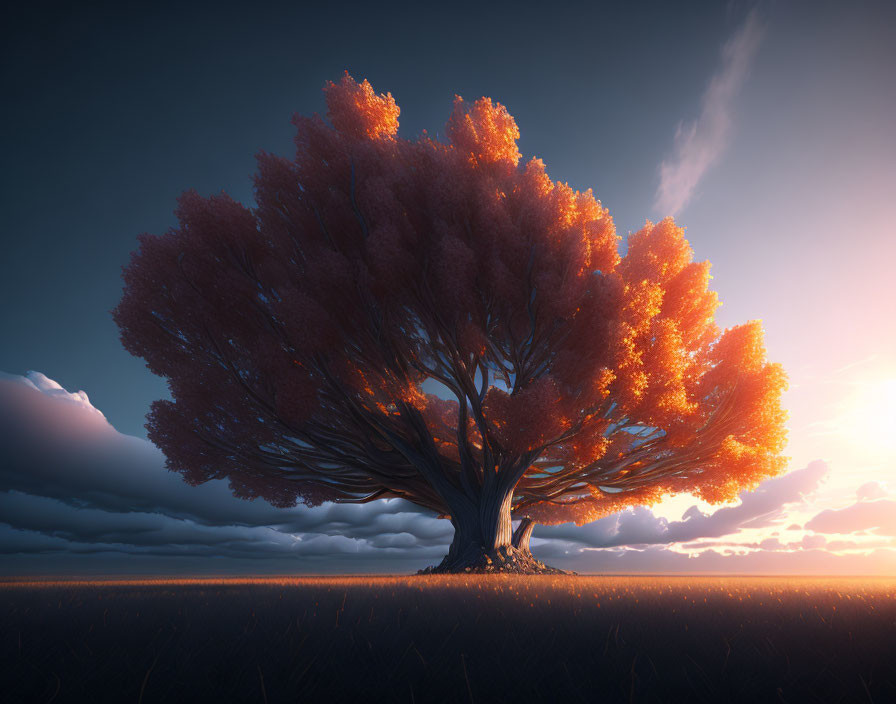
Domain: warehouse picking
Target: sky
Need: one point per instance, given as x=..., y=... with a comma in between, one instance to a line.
x=765, y=129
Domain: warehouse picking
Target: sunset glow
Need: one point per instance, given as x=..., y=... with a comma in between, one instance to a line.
x=869, y=417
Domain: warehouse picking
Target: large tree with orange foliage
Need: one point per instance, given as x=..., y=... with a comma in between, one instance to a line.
x=564, y=382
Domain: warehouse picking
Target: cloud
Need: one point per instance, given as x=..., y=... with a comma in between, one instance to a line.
x=772, y=544
x=699, y=144
x=871, y=490
x=877, y=516
x=70, y=483
x=639, y=526
x=78, y=497
x=62, y=451
x=42, y=383
x=813, y=542
x=880, y=561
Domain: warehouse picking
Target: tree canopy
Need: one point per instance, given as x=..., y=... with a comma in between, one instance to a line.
x=438, y=322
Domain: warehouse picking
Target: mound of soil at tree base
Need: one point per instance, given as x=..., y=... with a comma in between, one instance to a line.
x=502, y=560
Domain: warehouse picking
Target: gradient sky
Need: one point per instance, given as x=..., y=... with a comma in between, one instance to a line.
x=768, y=130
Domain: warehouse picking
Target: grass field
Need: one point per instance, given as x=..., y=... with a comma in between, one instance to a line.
x=465, y=639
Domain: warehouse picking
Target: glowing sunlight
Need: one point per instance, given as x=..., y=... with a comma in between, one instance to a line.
x=869, y=417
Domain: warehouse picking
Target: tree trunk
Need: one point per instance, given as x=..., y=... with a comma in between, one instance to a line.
x=522, y=534
x=479, y=531
x=483, y=541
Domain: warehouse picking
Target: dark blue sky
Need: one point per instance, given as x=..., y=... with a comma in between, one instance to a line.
x=112, y=112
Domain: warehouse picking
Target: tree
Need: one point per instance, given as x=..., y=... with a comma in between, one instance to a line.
x=563, y=382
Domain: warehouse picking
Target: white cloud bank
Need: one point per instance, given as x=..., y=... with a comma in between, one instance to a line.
x=699, y=144
x=41, y=382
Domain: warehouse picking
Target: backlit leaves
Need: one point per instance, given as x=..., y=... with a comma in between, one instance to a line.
x=296, y=335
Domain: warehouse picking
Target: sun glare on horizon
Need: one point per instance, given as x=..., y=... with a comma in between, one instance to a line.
x=869, y=417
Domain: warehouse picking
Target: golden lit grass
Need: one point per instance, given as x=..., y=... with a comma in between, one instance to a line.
x=539, y=586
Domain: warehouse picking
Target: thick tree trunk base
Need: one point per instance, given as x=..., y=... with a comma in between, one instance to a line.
x=502, y=560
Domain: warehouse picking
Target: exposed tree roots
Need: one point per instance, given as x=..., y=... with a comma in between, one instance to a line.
x=503, y=560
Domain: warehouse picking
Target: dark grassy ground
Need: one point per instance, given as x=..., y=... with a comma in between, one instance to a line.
x=479, y=639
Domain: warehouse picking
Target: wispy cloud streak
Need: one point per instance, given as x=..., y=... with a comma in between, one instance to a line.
x=699, y=144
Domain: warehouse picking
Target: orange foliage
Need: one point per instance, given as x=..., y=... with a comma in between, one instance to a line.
x=356, y=110
x=587, y=381
x=485, y=132
x=528, y=419
x=709, y=403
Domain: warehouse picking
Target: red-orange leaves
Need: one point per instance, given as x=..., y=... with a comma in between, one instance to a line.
x=526, y=419
x=390, y=260
x=357, y=111
x=297, y=337
x=588, y=445
x=740, y=348
x=667, y=366
x=486, y=132
x=454, y=274
x=471, y=341
x=656, y=252
x=689, y=302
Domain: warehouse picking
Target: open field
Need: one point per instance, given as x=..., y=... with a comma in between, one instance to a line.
x=464, y=638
